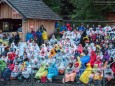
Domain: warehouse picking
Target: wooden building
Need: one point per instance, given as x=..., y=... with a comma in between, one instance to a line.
x=26, y=14
x=110, y=16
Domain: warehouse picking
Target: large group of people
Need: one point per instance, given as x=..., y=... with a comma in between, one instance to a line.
x=6, y=39
x=40, y=36
x=81, y=53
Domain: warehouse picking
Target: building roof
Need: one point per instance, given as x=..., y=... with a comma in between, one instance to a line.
x=33, y=9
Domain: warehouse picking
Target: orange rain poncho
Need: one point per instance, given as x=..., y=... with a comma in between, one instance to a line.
x=52, y=53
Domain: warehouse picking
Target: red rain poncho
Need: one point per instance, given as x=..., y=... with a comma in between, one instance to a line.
x=92, y=58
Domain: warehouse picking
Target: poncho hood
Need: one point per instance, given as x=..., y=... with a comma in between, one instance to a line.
x=106, y=56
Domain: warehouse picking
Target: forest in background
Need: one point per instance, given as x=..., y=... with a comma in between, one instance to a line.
x=81, y=9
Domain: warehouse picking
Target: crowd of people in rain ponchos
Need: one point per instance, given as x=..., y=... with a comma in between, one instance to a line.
x=80, y=54
x=6, y=39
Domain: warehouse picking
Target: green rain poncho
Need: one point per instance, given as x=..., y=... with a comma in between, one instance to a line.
x=2, y=65
x=41, y=72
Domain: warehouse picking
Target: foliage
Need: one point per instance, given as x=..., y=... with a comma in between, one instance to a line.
x=86, y=9
x=79, y=9
x=67, y=8
x=53, y=4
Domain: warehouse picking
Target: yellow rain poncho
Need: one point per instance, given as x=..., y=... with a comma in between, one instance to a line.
x=44, y=35
x=79, y=62
x=98, y=76
x=95, y=68
x=56, y=47
x=86, y=39
x=1, y=40
x=5, y=43
x=23, y=65
x=85, y=76
x=98, y=47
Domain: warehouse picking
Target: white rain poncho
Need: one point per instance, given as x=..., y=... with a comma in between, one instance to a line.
x=107, y=28
x=53, y=40
x=15, y=71
x=2, y=48
x=61, y=66
x=108, y=73
x=93, y=46
x=26, y=73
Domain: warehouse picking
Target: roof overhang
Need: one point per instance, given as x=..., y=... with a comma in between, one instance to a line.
x=7, y=2
x=1, y=1
x=24, y=17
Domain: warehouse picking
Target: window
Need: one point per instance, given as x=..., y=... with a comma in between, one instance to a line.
x=6, y=26
x=10, y=25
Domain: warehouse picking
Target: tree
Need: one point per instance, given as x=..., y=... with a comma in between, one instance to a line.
x=66, y=8
x=79, y=9
x=53, y=4
x=86, y=9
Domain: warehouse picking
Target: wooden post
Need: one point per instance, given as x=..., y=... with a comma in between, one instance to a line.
x=24, y=29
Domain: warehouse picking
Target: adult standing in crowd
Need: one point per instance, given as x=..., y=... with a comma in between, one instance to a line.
x=39, y=36
x=34, y=33
x=45, y=35
x=29, y=36
x=11, y=39
x=63, y=28
x=17, y=38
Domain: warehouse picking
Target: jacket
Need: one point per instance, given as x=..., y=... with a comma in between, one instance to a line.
x=29, y=36
x=44, y=35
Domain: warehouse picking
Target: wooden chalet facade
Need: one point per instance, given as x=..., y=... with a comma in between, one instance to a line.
x=26, y=14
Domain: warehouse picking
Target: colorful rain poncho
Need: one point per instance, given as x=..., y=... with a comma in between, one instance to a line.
x=42, y=72
x=2, y=65
x=85, y=59
x=27, y=70
x=108, y=72
x=106, y=56
x=95, y=68
x=92, y=58
x=85, y=76
x=57, y=57
x=52, y=53
x=15, y=72
x=52, y=71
